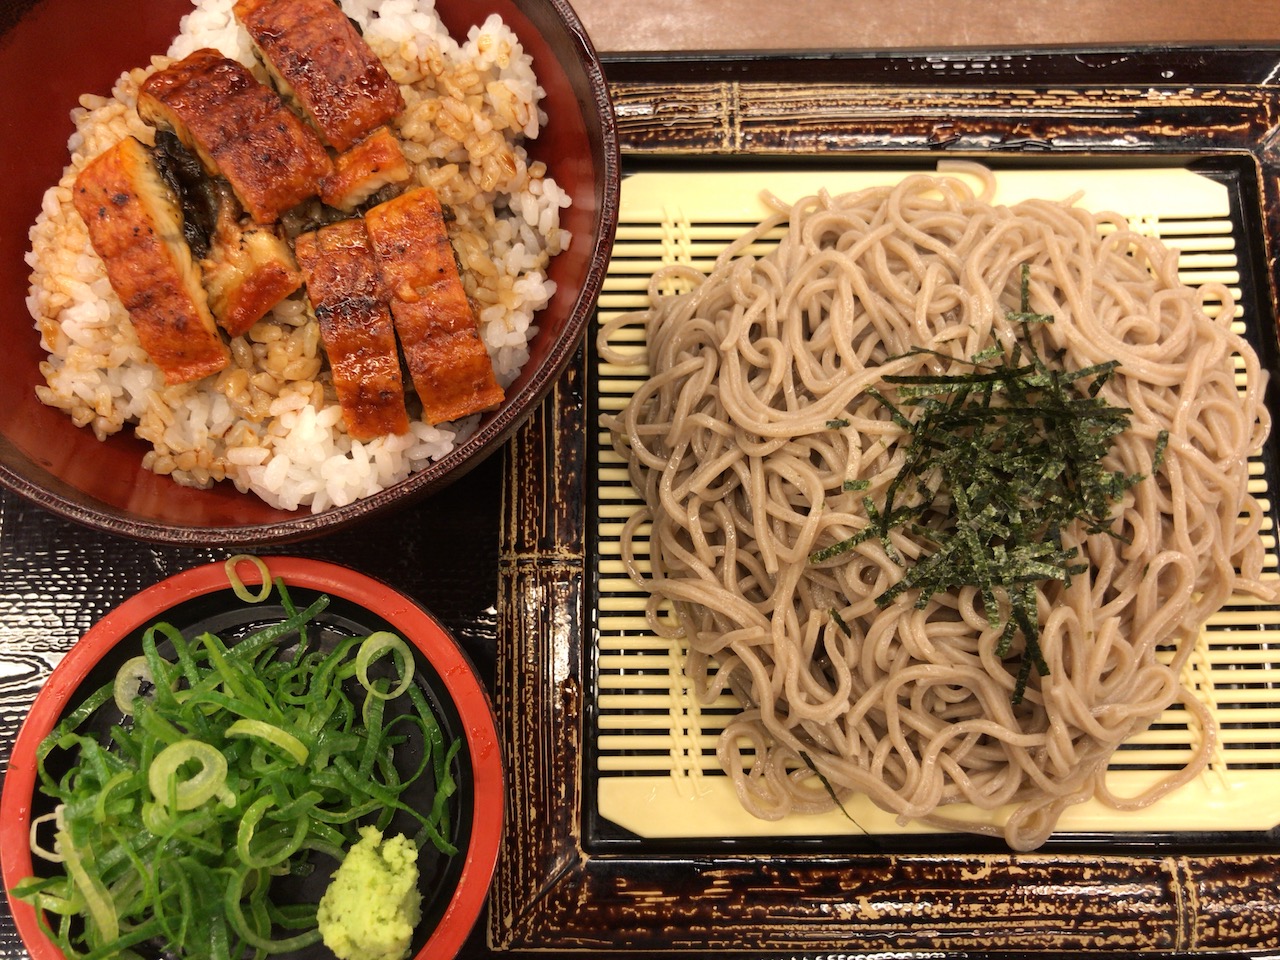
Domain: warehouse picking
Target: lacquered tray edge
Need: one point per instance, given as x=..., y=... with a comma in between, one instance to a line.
x=552, y=892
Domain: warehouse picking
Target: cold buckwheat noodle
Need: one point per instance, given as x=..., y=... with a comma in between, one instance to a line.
x=756, y=416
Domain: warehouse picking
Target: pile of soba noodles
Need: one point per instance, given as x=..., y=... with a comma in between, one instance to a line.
x=767, y=427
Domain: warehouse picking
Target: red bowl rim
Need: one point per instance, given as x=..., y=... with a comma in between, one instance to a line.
x=414, y=623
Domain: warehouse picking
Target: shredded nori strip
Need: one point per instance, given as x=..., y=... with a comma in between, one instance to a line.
x=831, y=791
x=839, y=622
x=999, y=461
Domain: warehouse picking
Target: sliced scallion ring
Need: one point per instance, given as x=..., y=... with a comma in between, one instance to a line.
x=130, y=678
x=272, y=734
x=271, y=853
x=52, y=855
x=374, y=646
x=241, y=589
x=190, y=792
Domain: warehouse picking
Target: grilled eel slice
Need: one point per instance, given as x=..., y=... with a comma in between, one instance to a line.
x=248, y=269
x=449, y=364
x=135, y=225
x=317, y=59
x=376, y=161
x=344, y=288
x=240, y=129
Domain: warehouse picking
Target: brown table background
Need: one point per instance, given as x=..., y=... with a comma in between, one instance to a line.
x=636, y=26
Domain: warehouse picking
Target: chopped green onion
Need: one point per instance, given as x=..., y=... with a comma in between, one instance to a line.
x=272, y=734
x=241, y=590
x=130, y=680
x=51, y=855
x=189, y=792
x=229, y=764
x=101, y=908
x=375, y=646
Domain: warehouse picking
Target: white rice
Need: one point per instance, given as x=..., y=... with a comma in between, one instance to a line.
x=270, y=423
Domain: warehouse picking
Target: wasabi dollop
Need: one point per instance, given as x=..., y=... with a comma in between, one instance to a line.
x=372, y=903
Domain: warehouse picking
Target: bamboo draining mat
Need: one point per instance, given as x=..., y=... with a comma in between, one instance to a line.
x=657, y=771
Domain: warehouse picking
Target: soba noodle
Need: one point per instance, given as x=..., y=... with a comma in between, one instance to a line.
x=756, y=416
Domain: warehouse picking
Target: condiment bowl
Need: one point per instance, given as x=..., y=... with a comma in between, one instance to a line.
x=201, y=599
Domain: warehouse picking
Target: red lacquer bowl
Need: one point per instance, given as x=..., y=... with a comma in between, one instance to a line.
x=47, y=459
x=454, y=889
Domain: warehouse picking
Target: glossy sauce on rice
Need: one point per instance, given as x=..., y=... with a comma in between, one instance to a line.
x=270, y=423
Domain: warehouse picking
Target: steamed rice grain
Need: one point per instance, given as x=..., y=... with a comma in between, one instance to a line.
x=270, y=423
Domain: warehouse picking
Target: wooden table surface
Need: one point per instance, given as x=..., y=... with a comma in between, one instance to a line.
x=657, y=25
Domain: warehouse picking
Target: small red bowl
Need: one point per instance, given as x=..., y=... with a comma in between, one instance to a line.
x=47, y=459
x=200, y=599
